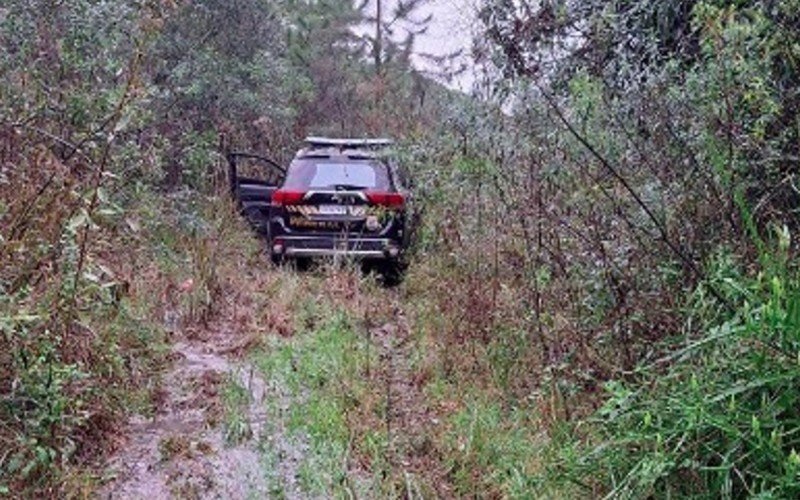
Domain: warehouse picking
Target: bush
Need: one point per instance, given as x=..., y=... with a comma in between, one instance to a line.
x=717, y=417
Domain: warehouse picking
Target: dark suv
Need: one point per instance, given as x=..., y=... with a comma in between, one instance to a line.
x=338, y=197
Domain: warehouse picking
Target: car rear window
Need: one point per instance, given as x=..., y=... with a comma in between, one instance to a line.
x=332, y=174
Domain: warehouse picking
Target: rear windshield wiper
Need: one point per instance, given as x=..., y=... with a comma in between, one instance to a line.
x=349, y=187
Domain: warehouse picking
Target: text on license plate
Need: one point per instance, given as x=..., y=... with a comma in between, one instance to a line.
x=332, y=210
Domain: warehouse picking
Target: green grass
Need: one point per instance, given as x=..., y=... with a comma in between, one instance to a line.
x=320, y=370
x=235, y=401
x=719, y=417
x=492, y=449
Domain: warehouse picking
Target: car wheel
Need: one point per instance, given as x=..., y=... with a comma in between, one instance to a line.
x=391, y=273
x=277, y=260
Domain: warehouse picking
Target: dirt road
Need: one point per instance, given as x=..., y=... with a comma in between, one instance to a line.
x=277, y=420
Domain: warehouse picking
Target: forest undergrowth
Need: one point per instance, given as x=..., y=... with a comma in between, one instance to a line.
x=603, y=298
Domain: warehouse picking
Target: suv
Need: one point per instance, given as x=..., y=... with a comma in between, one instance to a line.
x=338, y=197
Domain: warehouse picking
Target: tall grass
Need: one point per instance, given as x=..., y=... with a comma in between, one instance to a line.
x=719, y=416
x=82, y=346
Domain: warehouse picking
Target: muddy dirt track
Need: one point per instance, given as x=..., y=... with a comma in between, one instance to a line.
x=183, y=450
x=186, y=449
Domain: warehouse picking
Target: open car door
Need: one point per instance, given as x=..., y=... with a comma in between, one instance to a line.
x=253, y=179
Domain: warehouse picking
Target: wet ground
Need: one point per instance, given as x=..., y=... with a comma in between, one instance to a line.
x=193, y=446
x=183, y=449
x=408, y=414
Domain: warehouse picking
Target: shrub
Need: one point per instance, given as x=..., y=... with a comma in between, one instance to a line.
x=719, y=416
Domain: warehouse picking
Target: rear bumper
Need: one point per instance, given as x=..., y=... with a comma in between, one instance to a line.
x=315, y=246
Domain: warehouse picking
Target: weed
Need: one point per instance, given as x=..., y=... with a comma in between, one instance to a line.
x=173, y=447
x=492, y=449
x=321, y=369
x=235, y=403
x=721, y=419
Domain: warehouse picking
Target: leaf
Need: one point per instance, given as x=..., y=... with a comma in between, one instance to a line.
x=133, y=225
x=102, y=195
x=122, y=123
x=80, y=219
x=105, y=269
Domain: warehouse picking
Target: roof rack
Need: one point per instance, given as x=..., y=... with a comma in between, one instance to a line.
x=322, y=142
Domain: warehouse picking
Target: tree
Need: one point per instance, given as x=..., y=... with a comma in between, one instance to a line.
x=394, y=29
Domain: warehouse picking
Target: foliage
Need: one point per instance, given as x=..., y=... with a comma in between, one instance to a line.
x=492, y=450
x=75, y=344
x=718, y=416
x=602, y=305
x=571, y=238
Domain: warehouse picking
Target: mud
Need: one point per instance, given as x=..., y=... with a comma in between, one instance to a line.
x=186, y=449
x=183, y=450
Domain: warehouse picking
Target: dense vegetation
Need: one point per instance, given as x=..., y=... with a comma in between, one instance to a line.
x=604, y=298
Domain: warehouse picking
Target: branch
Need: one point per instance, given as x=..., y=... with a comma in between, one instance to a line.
x=514, y=53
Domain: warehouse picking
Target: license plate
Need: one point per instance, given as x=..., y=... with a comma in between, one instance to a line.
x=332, y=210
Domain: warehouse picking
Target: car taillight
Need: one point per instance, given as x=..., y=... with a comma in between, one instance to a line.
x=390, y=200
x=287, y=197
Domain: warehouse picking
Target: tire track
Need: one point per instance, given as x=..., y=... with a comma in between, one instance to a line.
x=408, y=417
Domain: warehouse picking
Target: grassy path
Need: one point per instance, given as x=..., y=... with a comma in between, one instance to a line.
x=207, y=434
x=302, y=386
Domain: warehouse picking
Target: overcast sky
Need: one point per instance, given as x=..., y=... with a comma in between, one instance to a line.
x=450, y=30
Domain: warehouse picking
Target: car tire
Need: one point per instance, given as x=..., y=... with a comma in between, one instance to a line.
x=391, y=273
x=277, y=260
